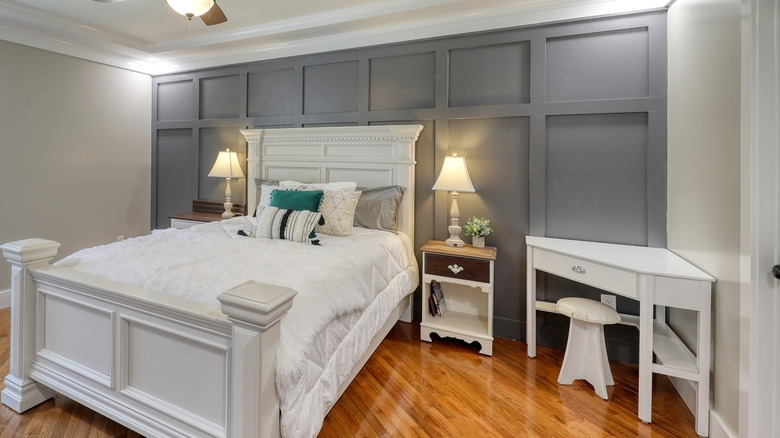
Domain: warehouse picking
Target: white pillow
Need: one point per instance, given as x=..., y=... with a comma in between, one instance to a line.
x=343, y=186
x=338, y=210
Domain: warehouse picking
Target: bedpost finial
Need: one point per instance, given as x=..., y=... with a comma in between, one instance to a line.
x=29, y=251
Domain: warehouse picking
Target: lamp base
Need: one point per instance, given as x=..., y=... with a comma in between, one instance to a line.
x=454, y=239
x=228, y=210
x=457, y=242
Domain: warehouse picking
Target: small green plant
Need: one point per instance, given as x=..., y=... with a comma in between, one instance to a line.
x=478, y=227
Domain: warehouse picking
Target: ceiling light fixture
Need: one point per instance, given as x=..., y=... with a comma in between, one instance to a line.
x=191, y=8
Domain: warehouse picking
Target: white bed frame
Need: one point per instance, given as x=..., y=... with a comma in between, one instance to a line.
x=167, y=367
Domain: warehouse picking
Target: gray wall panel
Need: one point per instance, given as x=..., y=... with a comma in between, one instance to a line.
x=219, y=98
x=608, y=65
x=490, y=75
x=174, y=173
x=330, y=88
x=563, y=126
x=175, y=101
x=271, y=93
x=403, y=82
x=596, y=178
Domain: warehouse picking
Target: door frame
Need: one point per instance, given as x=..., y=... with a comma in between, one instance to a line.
x=760, y=314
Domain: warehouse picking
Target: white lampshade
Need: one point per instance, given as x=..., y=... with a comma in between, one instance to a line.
x=454, y=176
x=191, y=8
x=227, y=166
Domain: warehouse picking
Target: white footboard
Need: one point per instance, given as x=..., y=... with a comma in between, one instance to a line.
x=160, y=365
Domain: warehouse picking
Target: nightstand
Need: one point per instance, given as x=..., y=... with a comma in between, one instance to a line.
x=466, y=278
x=202, y=211
x=192, y=218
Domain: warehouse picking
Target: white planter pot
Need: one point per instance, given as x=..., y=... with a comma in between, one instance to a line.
x=477, y=242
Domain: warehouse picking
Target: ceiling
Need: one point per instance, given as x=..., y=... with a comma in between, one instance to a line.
x=149, y=37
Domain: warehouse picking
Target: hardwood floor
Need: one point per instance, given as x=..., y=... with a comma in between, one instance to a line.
x=411, y=388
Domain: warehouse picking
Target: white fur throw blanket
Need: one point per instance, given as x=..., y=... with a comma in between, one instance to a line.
x=342, y=275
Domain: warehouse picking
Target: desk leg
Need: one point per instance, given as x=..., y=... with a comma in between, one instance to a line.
x=646, y=348
x=530, y=293
x=703, y=362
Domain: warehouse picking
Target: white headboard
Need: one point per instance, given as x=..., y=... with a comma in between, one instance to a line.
x=372, y=156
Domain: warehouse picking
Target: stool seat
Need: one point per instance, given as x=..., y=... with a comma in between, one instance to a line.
x=587, y=310
x=586, y=352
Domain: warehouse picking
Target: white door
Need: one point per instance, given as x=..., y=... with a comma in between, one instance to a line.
x=761, y=53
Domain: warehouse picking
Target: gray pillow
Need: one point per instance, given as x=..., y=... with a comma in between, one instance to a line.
x=377, y=208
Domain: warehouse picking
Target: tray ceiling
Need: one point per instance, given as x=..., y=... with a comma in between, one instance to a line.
x=148, y=36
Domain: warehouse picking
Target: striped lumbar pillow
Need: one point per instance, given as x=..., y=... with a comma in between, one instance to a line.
x=276, y=223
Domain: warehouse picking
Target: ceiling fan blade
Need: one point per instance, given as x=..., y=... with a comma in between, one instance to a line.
x=214, y=16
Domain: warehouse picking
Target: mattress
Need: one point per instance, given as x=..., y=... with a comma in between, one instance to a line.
x=350, y=287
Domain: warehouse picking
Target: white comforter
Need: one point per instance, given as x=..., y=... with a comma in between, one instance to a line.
x=336, y=282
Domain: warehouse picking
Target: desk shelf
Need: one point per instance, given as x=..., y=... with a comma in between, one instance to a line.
x=674, y=358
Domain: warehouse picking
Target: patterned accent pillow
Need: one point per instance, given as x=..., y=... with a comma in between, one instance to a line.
x=338, y=209
x=296, y=226
x=259, y=183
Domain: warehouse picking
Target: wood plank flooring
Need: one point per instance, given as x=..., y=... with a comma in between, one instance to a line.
x=411, y=388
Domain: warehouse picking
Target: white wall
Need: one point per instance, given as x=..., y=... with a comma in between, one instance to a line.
x=75, y=150
x=704, y=175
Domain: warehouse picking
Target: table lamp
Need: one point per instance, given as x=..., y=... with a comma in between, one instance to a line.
x=227, y=167
x=454, y=178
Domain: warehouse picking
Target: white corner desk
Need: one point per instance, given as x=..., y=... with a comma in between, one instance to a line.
x=657, y=278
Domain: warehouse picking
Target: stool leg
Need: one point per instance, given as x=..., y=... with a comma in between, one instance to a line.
x=573, y=366
x=594, y=373
x=605, y=360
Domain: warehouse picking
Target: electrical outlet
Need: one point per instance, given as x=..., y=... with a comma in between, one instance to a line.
x=609, y=300
x=120, y=238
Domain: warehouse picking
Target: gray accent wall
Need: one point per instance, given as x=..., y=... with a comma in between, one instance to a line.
x=563, y=127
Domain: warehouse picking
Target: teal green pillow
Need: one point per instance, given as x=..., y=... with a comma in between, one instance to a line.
x=296, y=200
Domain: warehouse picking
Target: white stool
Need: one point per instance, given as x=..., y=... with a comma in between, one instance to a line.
x=586, y=353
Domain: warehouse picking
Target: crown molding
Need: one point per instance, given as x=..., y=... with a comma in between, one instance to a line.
x=336, y=30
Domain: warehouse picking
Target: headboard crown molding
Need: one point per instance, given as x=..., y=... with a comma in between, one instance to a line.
x=385, y=133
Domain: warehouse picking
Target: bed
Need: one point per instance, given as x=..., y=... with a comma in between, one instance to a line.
x=176, y=365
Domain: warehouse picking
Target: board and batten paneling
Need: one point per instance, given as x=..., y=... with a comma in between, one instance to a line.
x=563, y=127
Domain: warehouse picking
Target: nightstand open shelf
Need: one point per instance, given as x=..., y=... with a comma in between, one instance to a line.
x=461, y=322
x=466, y=278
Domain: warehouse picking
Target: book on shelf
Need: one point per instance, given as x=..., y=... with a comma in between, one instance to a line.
x=438, y=294
x=432, y=305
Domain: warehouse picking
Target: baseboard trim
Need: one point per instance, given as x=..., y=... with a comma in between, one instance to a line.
x=718, y=428
x=687, y=391
x=5, y=299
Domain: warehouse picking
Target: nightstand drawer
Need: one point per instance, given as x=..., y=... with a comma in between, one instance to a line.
x=457, y=267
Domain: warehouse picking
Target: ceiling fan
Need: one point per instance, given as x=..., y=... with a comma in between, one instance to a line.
x=208, y=10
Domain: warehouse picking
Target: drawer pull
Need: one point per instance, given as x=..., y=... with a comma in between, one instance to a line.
x=578, y=269
x=455, y=269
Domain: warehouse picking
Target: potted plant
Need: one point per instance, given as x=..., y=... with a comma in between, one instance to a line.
x=478, y=228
